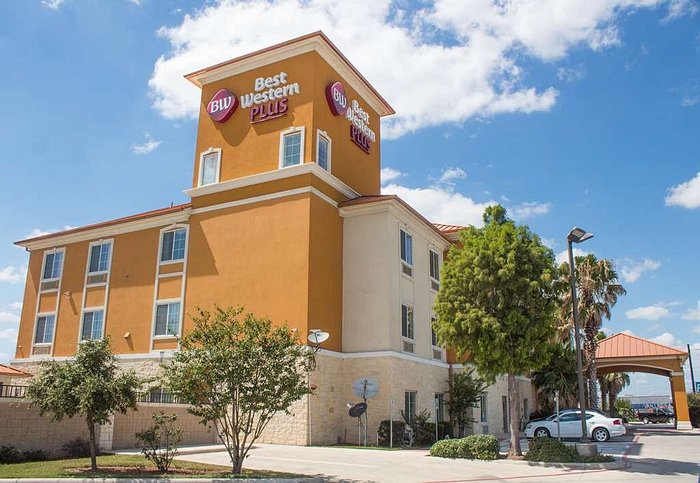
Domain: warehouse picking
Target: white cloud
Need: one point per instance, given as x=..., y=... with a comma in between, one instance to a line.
x=697, y=329
x=450, y=174
x=52, y=4
x=8, y=334
x=571, y=74
x=667, y=339
x=464, y=62
x=685, y=194
x=692, y=314
x=563, y=256
x=36, y=232
x=632, y=270
x=8, y=318
x=136, y=2
x=680, y=8
x=147, y=146
x=4, y=357
x=527, y=210
x=441, y=205
x=14, y=306
x=695, y=346
x=650, y=312
x=628, y=332
x=389, y=174
x=13, y=274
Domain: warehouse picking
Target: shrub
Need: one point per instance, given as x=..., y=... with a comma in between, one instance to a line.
x=36, y=455
x=449, y=448
x=10, y=454
x=481, y=447
x=694, y=408
x=159, y=442
x=549, y=450
x=77, y=448
x=384, y=432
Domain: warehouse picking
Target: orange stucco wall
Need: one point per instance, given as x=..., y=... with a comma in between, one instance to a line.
x=248, y=149
x=280, y=258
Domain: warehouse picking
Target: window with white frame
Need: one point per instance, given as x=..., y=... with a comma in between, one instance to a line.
x=406, y=242
x=409, y=404
x=167, y=319
x=291, y=147
x=100, y=257
x=93, y=325
x=209, y=167
x=44, y=329
x=434, y=270
x=433, y=335
x=173, y=245
x=323, y=150
x=407, y=321
x=53, y=263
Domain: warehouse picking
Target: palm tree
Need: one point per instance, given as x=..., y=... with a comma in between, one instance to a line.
x=598, y=290
x=558, y=375
x=616, y=382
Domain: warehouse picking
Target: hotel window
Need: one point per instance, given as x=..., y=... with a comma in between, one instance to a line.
x=323, y=150
x=167, y=319
x=440, y=406
x=173, y=246
x=44, y=329
x=409, y=405
x=434, y=270
x=93, y=325
x=407, y=321
x=292, y=147
x=406, y=253
x=53, y=262
x=210, y=165
x=437, y=351
x=484, y=405
x=99, y=257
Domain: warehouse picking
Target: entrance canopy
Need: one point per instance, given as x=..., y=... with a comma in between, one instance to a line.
x=628, y=353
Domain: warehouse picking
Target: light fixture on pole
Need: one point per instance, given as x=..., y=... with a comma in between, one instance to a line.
x=577, y=235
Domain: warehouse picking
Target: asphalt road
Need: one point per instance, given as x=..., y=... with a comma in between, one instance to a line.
x=650, y=453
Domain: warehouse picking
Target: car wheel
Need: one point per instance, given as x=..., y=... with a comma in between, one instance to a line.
x=541, y=433
x=645, y=420
x=601, y=435
x=671, y=421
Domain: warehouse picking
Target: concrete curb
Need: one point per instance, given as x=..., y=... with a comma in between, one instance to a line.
x=613, y=465
x=160, y=480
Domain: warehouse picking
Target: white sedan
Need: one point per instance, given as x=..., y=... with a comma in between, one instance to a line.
x=600, y=428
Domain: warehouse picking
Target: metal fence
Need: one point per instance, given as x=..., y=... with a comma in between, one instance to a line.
x=11, y=391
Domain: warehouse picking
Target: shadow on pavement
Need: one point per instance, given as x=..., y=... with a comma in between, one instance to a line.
x=657, y=466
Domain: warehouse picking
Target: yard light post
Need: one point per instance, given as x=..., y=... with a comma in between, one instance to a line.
x=577, y=235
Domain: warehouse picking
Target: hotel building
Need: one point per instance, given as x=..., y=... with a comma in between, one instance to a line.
x=285, y=218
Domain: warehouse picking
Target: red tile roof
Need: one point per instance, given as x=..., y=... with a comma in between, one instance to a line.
x=117, y=221
x=11, y=371
x=625, y=345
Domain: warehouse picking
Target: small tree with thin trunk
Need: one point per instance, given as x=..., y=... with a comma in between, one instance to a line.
x=238, y=371
x=497, y=302
x=88, y=385
x=465, y=390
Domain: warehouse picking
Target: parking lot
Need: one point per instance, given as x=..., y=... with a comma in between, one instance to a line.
x=650, y=453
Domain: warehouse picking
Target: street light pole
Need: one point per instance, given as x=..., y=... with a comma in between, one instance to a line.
x=577, y=235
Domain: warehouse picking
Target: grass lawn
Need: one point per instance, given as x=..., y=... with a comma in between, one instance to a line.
x=125, y=466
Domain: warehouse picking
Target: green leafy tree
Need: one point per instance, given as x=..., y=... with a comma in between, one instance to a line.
x=497, y=303
x=623, y=408
x=598, y=289
x=89, y=385
x=238, y=371
x=611, y=385
x=465, y=390
x=559, y=374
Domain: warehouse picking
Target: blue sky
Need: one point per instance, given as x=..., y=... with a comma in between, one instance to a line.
x=588, y=116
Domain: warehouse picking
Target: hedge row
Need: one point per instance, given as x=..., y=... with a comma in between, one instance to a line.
x=550, y=450
x=480, y=447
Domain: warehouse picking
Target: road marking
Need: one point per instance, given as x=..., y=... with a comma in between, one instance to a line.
x=310, y=461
